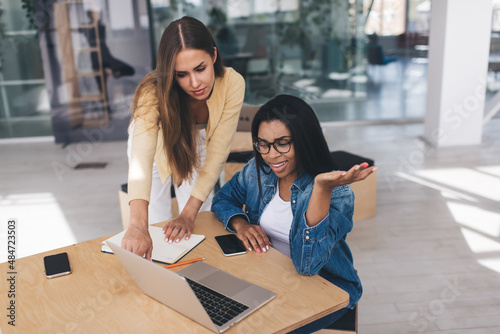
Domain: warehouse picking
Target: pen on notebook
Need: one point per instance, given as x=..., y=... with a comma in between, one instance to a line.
x=184, y=262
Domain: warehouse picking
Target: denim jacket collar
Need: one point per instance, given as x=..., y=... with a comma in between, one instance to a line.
x=301, y=182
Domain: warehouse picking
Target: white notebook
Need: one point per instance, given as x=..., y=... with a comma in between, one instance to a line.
x=162, y=251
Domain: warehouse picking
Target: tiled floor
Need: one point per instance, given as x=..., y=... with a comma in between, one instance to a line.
x=430, y=259
x=54, y=204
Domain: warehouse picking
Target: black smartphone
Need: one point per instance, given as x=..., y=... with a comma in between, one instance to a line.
x=57, y=265
x=230, y=244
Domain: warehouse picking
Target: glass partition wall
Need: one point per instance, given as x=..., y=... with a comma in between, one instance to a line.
x=24, y=101
x=313, y=49
x=493, y=79
x=70, y=67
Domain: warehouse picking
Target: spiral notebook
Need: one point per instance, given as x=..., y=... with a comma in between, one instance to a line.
x=162, y=251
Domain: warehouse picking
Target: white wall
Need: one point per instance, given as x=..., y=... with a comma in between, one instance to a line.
x=458, y=61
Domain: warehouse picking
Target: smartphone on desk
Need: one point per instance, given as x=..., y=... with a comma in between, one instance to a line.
x=57, y=265
x=230, y=244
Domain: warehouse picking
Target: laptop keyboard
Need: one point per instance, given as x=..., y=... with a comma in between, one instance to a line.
x=220, y=308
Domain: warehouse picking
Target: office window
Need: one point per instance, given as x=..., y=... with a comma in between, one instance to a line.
x=310, y=48
x=24, y=101
x=419, y=16
x=94, y=54
x=495, y=23
x=385, y=17
x=267, y=6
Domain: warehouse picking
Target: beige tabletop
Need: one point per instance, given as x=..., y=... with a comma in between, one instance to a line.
x=100, y=297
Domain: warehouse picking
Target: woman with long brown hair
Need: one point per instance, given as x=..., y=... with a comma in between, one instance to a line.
x=184, y=119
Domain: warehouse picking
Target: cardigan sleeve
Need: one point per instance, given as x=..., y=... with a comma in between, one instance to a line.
x=144, y=142
x=219, y=145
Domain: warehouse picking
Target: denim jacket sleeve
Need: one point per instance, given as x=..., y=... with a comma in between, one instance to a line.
x=229, y=200
x=316, y=247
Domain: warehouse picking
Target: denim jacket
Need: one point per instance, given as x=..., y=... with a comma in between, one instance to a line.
x=320, y=249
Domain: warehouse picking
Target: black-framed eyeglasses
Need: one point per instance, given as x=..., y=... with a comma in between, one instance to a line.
x=281, y=145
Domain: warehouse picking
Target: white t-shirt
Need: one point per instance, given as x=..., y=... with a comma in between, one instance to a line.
x=276, y=221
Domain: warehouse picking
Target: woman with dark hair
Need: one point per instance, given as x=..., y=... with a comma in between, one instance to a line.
x=294, y=199
x=185, y=114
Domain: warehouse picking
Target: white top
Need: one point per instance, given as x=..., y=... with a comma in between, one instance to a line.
x=201, y=126
x=276, y=221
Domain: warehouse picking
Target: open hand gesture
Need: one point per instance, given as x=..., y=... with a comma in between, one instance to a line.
x=331, y=180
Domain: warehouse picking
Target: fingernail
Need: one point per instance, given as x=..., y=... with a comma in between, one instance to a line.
x=267, y=247
x=177, y=240
x=357, y=167
x=374, y=169
x=258, y=250
x=344, y=174
x=169, y=241
x=365, y=165
x=264, y=249
x=249, y=249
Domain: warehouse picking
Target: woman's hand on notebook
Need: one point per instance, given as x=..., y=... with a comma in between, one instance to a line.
x=182, y=226
x=177, y=228
x=137, y=240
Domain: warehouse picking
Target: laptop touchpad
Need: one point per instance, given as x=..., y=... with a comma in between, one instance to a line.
x=224, y=283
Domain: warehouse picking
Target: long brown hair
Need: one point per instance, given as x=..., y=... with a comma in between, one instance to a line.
x=176, y=119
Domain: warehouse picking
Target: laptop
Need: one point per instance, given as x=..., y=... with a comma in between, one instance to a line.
x=196, y=291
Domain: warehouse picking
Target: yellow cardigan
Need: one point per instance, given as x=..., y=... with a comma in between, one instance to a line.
x=224, y=106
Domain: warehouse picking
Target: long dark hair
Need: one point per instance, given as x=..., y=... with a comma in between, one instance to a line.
x=311, y=150
x=176, y=119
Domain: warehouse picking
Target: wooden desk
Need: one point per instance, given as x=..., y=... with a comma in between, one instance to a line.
x=100, y=297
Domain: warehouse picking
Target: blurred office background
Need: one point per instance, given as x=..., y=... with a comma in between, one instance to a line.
x=314, y=49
